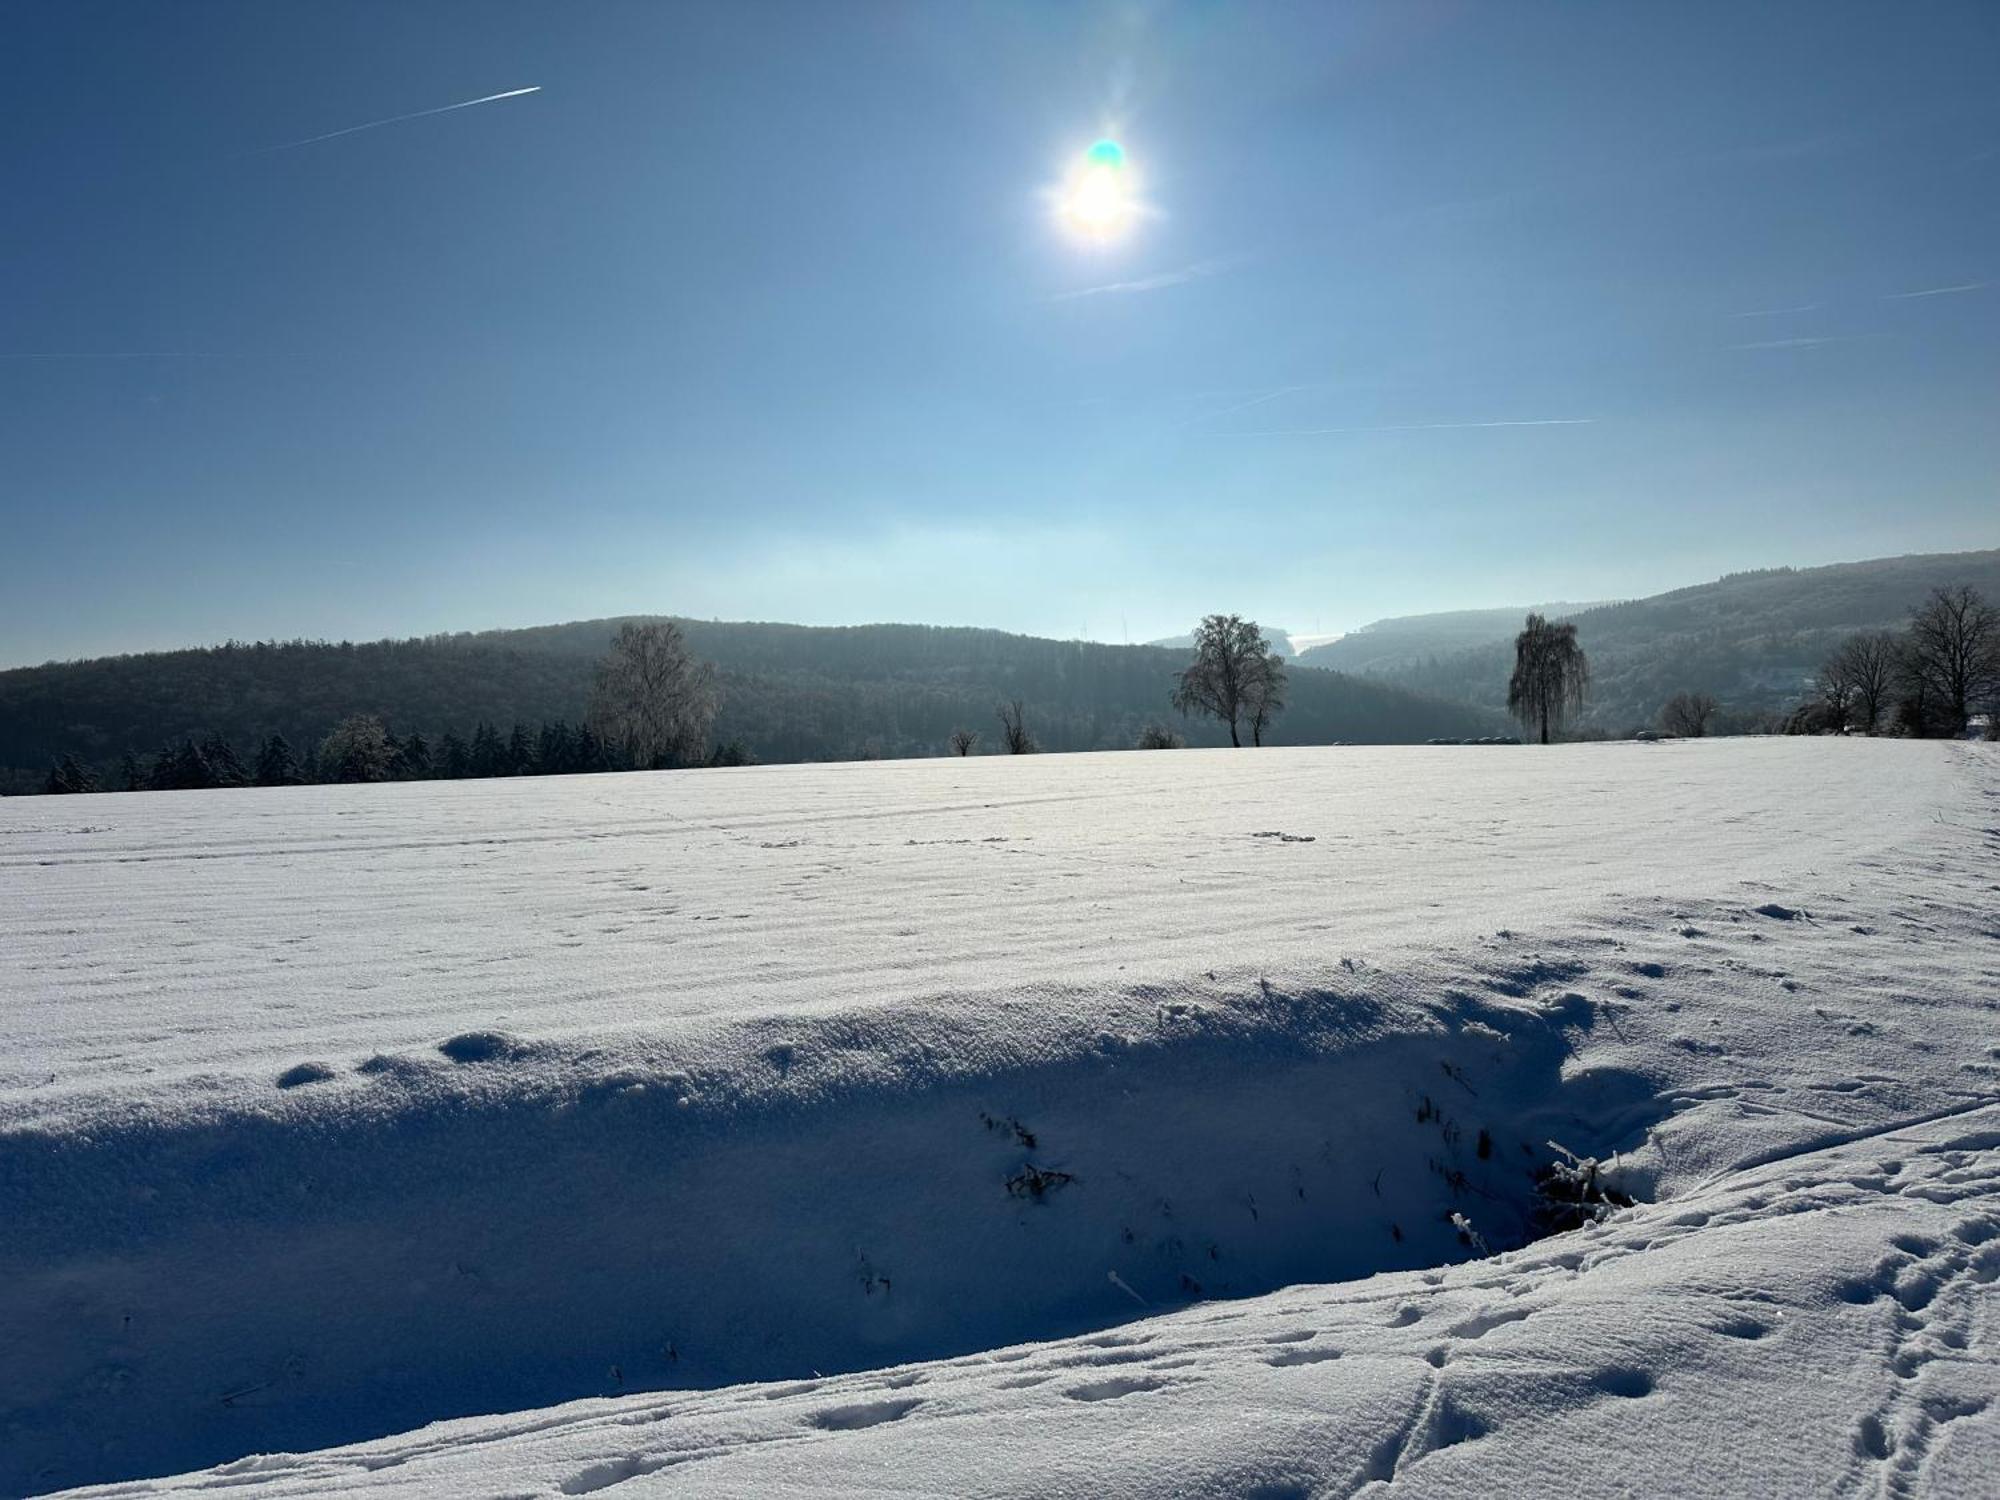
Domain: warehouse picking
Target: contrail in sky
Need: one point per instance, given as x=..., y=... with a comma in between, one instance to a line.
x=1413, y=427
x=415, y=114
x=1936, y=291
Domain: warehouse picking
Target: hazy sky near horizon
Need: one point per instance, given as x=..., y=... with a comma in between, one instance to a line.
x=763, y=310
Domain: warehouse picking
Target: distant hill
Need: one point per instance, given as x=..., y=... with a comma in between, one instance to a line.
x=787, y=692
x=1751, y=639
x=1407, y=640
x=1281, y=641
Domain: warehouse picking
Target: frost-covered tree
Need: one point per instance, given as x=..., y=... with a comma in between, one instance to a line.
x=357, y=750
x=1551, y=677
x=653, y=701
x=1235, y=677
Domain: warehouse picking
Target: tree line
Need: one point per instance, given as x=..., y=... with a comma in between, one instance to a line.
x=783, y=692
x=652, y=705
x=1934, y=679
x=1937, y=678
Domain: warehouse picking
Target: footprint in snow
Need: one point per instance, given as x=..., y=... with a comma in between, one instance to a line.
x=864, y=1414
x=1111, y=1390
x=1285, y=1358
x=602, y=1476
x=482, y=1046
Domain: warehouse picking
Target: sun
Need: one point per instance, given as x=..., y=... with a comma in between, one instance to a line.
x=1098, y=201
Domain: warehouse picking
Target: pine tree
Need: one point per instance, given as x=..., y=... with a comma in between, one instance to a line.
x=520, y=755
x=67, y=777
x=489, y=755
x=555, y=754
x=182, y=768
x=224, y=767
x=131, y=773
x=276, y=765
x=454, y=760
x=413, y=761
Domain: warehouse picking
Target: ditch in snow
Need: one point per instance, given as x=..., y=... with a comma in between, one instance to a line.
x=502, y=1225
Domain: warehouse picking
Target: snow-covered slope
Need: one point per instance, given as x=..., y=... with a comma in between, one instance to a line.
x=326, y=1113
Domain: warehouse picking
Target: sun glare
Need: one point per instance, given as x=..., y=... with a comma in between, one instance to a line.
x=1099, y=201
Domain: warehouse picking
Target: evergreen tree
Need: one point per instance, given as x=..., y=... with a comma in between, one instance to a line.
x=520, y=755
x=454, y=760
x=590, y=751
x=556, y=753
x=182, y=768
x=489, y=755
x=224, y=768
x=413, y=760
x=276, y=765
x=67, y=777
x=131, y=774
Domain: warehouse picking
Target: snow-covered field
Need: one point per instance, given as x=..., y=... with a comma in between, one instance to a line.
x=1146, y=1124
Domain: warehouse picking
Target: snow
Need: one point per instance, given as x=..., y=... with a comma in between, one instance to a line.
x=1046, y=1125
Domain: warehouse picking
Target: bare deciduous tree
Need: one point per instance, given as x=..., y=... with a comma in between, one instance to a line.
x=1954, y=652
x=653, y=700
x=1833, y=698
x=1865, y=665
x=1688, y=714
x=1159, y=737
x=1014, y=729
x=962, y=741
x=1551, y=677
x=1235, y=677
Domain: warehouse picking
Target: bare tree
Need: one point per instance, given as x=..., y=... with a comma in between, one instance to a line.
x=653, y=700
x=962, y=741
x=1688, y=714
x=1235, y=676
x=1551, y=677
x=1954, y=652
x=1014, y=729
x=1833, y=698
x=1158, y=737
x=1865, y=665
x=1266, y=698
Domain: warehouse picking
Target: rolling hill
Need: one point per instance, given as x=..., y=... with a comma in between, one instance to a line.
x=1751, y=639
x=787, y=693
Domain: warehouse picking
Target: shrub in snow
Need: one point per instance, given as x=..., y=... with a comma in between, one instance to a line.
x=1574, y=1192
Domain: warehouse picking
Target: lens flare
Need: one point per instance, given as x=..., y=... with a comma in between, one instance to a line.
x=1098, y=200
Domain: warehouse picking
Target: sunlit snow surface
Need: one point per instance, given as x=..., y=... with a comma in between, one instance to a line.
x=325, y=1113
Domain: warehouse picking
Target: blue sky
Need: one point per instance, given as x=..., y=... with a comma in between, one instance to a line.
x=762, y=311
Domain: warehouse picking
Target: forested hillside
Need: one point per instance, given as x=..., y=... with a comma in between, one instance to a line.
x=787, y=692
x=1752, y=640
